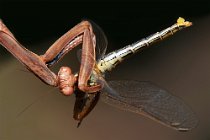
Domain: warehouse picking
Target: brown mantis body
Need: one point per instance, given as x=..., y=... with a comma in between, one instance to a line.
x=65, y=80
x=142, y=98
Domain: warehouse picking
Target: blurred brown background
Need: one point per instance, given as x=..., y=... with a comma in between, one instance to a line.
x=180, y=64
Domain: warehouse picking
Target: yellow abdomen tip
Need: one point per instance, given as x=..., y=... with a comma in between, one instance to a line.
x=181, y=22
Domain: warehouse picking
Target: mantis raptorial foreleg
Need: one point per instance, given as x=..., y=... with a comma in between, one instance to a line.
x=81, y=33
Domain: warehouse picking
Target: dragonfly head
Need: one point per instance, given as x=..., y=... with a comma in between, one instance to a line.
x=95, y=77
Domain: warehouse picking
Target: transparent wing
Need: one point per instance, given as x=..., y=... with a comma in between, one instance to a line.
x=84, y=104
x=148, y=99
x=101, y=42
x=79, y=55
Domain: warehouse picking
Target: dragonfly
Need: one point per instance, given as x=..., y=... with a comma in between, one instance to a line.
x=89, y=84
x=141, y=97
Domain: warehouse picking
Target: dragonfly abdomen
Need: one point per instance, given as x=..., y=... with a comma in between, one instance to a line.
x=112, y=59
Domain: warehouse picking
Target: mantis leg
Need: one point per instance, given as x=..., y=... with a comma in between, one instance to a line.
x=81, y=33
x=87, y=63
x=65, y=43
x=32, y=61
x=39, y=64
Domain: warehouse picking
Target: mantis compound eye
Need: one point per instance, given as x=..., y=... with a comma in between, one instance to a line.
x=66, y=81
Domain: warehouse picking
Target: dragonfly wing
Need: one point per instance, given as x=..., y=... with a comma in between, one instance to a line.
x=84, y=104
x=79, y=55
x=101, y=40
x=148, y=99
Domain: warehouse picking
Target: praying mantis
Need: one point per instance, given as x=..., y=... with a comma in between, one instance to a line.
x=89, y=83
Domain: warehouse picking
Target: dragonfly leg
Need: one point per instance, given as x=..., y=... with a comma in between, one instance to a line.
x=32, y=61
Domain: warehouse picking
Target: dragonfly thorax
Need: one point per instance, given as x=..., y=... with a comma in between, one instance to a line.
x=108, y=62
